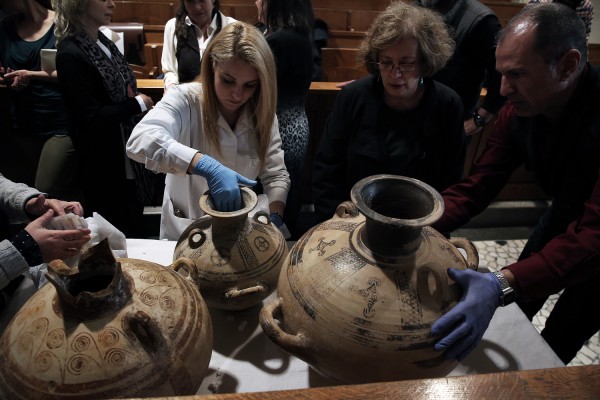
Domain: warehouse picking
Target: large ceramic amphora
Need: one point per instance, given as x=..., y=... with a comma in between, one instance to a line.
x=108, y=329
x=238, y=257
x=359, y=292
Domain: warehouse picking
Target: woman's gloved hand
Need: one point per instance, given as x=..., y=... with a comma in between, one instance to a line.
x=223, y=183
x=465, y=324
x=276, y=220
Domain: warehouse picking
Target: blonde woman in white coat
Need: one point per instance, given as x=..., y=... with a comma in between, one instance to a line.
x=218, y=134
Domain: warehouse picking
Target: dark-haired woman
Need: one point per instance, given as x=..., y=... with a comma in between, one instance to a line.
x=186, y=38
x=37, y=113
x=289, y=34
x=397, y=120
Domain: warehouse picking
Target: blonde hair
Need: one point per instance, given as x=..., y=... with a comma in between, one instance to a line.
x=401, y=21
x=69, y=17
x=244, y=42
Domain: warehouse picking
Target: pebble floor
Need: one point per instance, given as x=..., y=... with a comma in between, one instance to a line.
x=495, y=254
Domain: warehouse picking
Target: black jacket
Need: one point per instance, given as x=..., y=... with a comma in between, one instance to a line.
x=351, y=149
x=95, y=128
x=474, y=27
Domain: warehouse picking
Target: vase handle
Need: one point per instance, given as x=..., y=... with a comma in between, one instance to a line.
x=147, y=331
x=469, y=248
x=262, y=217
x=347, y=209
x=196, y=238
x=293, y=344
x=233, y=293
x=188, y=265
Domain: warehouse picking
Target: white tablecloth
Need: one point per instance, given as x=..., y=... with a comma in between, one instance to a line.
x=244, y=359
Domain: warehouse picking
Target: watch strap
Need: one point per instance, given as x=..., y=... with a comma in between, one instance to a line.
x=508, y=295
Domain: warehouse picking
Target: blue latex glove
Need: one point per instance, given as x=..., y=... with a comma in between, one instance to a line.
x=465, y=324
x=223, y=183
x=276, y=220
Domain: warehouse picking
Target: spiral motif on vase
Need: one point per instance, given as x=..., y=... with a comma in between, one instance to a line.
x=43, y=361
x=115, y=357
x=148, y=297
x=39, y=326
x=25, y=342
x=77, y=364
x=28, y=312
x=166, y=302
x=165, y=279
x=56, y=338
x=148, y=277
x=81, y=342
x=108, y=337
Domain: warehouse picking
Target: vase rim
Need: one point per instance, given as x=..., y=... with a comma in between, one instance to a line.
x=250, y=200
x=358, y=198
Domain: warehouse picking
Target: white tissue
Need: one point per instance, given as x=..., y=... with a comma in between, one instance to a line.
x=101, y=229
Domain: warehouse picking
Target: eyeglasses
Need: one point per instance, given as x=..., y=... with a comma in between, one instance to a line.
x=386, y=66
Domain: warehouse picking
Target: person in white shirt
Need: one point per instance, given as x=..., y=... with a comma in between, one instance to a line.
x=217, y=134
x=186, y=38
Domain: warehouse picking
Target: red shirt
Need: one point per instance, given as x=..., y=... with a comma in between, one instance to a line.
x=570, y=257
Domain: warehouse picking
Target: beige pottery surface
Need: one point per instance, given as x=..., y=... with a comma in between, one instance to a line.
x=124, y=328
x=238, y=257
x=358, y=315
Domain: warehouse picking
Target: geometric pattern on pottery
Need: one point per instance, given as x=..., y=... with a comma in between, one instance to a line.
x=78, y=350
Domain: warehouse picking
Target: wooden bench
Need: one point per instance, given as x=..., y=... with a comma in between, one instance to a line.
x=151, y=12
x=153, y=55
x=348, y=21
x=594, y=54
x=504, y=10
x=341, y=64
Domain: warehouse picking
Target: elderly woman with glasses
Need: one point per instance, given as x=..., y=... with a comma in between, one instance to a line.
x=397, y=120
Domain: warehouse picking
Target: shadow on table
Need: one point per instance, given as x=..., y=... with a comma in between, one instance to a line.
x=219, y=382
x=481, y=362
x=231, y=329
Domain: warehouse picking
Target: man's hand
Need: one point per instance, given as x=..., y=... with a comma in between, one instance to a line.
x=465, y=324
x=56, y=244
x=40, y=205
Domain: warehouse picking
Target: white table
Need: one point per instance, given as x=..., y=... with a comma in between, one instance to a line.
x=244, y=359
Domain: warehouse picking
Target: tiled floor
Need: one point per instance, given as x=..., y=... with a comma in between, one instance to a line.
x=494, y=254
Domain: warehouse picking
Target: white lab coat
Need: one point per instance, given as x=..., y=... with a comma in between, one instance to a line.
x=169, y=136
x=168, y=59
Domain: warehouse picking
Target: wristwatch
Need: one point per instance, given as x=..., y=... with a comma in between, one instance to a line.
x=508, y=294
x=478, y=120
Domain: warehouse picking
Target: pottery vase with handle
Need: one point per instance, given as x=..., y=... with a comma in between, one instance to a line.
x=238, y=257
x=359, y=292
x=108, y=329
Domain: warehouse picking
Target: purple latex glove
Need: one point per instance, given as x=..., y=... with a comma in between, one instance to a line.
x=223, y=183
x=465, y=324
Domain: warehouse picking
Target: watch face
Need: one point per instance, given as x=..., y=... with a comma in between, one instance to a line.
x=510, y=296
x=478, y=120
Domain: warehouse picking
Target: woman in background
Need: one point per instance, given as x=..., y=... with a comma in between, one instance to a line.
x=217, y=134
x=101, y=99
x=39, y=123
x=186, y=37
x=288, y=25
x=397, y=120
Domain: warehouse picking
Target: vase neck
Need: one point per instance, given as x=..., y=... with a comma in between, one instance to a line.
x=390, y=240
x=223, y=225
